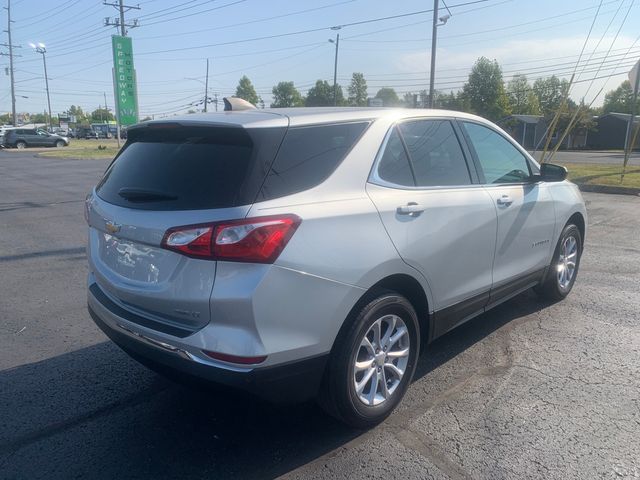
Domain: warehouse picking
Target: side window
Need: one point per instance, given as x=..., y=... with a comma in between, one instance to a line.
x=394, y=165
x=501, y=162
x=308, y=155
x=436, y=155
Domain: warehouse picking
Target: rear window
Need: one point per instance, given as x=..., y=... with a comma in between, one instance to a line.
x=190, y=168
x=308, y=156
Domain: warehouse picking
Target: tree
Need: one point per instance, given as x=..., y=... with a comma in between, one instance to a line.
x=453, y=101
x=388, y=96
x=321, y=95
x=285, y=94
x=550, y=92
x=101, y=115
x=522, y=98
x=246, y=91
x=485, y=90
x=81, y=117
x=620, y=99
x=358, y=90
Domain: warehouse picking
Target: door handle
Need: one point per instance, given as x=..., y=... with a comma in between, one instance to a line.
x=410, y=208
x=505, y=200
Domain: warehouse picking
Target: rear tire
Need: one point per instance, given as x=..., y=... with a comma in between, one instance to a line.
x=563, y=270
x=21, y=145
x=372, y=362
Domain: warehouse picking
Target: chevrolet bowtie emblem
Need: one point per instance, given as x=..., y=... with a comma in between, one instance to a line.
x=112, y=227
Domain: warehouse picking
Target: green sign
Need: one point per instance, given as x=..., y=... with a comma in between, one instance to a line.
x=124, y=78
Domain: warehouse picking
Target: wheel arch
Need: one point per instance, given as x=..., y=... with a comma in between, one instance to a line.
x=405, y=285
x=578, y=220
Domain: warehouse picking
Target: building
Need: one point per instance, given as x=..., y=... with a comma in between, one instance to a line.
x=527, y=130
x=530, y=131
x=611, y=131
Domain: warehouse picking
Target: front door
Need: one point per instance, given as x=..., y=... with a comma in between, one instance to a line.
x=440, y=223
x=526, y=216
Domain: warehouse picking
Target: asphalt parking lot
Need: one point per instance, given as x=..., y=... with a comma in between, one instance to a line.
x=529, y=390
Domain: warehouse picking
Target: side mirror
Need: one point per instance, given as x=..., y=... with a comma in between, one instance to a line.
x=550, y=172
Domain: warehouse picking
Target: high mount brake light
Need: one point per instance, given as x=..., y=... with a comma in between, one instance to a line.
x=255, y=240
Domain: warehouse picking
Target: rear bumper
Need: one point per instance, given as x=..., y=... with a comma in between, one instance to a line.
x=290, y=382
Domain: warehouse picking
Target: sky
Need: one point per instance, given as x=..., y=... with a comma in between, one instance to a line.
x=277, y=40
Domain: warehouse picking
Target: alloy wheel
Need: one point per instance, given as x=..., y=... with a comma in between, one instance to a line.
x=381, y=360
x=566, y=265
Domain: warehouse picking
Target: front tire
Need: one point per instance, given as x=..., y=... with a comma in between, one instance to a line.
x=564, y=265
x=60, y=144
x=373, y=361
x=21, y=145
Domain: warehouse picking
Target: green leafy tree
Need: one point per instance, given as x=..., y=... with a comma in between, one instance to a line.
x=246, y=91
x=81, y=116
x=101, y=115
x=357, y=90
x=453, y=101
x=485, y=90
x=410, y=100
x=550, y=92
x=285, y=94
x=522, y=98
x=620, y=99
x=388, y=96
x=321, y=95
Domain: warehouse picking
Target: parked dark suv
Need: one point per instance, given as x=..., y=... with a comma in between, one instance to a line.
x=31, y=137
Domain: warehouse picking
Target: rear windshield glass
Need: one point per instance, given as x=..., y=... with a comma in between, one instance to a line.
x=308, y=156
x=190, y=168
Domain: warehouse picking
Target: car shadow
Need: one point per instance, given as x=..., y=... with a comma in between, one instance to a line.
x=95, y=413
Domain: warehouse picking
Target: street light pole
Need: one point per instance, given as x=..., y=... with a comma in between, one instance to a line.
x=41, y=49
x=206, y=88
x=434, y=39
x=335, y=66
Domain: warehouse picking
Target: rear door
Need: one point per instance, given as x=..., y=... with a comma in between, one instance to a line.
x=170, y=176
x=526, y=215
x=441, y=223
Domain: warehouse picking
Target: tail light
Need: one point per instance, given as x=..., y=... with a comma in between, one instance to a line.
x=255, y=240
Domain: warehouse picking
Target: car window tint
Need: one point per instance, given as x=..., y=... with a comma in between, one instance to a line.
x=394, y=164
x=435, y=153
x=500, y=161
x=308, y=155
x=191, y=167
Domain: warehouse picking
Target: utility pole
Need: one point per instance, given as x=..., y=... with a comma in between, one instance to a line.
x=629, y=138
x=335, y=66
x=434, y=38
x=105, y=105
x=119, y=22
x=215, y=100
x=10, y=46
x=206, y=88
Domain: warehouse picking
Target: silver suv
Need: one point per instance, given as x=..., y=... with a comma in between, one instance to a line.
x=300, y=253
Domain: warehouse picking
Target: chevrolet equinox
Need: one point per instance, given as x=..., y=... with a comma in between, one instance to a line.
x=311, y=253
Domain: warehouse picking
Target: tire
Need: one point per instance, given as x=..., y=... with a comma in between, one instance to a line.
x=339, y=395
x=21, y=145
x=60, y=144
x=555, y=286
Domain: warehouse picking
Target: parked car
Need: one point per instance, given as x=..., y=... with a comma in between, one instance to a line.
x=31, y=137
x=86, y=133
x=300, y=253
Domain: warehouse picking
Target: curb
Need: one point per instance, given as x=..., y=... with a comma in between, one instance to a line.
x=584, y=187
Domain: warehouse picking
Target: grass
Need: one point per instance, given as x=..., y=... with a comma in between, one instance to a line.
x=83, y=149
x=599, y=174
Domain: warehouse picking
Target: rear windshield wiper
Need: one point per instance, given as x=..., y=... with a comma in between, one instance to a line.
x=144, y=195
